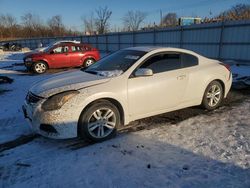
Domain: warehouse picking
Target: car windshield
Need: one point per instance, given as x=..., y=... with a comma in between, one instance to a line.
x=115, y=64
x=47, y=49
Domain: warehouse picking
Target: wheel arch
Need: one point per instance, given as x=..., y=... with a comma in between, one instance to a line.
x=88, y=57
x=222, y=84
x=42, y=60
x=111, y=100
x=218, y=80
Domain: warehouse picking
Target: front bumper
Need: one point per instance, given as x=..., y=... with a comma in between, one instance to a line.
x=51, y=124
x=28, y=64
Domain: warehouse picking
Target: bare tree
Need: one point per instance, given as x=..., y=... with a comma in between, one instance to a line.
x=89, y=24
x=31, y=20
x=56, y=25
x=8, y=25
x=237, y=12
x=133, y=19
x=170, y=20
x=32, y=24
x=101, y=21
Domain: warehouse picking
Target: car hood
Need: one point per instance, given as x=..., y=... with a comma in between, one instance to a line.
x=72, y=80
x=34, y=54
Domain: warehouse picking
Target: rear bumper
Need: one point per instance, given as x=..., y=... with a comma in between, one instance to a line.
x=228, y=85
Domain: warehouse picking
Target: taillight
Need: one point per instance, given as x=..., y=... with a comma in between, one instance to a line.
x=227, y=66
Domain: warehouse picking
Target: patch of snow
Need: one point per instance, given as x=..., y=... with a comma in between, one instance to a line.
x=204, y=151
x=12, y=100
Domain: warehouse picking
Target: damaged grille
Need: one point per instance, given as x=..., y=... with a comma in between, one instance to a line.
x=32, y=98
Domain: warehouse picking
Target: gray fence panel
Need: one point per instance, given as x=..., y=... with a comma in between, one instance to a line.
x=237, y=52
x=202, y=36
x=229, y=40
x=144, y=38
x=92, y=39
x=113, y=39
x=113, y=47
x=102, y=39
x=126, y=38
x=237, y=34
x=203, y=49
x=126, y=45
x=167, y=37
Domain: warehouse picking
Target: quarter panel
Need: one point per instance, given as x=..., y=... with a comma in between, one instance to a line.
x=201, y=76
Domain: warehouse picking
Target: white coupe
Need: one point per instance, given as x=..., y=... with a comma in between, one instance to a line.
x=130, y=84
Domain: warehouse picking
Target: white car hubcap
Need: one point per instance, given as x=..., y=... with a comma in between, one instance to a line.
x=89, y=62
x=40, y=67
x=213, y=95
x=101, y=123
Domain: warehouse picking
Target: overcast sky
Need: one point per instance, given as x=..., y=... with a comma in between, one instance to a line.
x=72, y=10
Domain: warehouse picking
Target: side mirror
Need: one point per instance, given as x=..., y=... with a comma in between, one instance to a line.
x=143, y=72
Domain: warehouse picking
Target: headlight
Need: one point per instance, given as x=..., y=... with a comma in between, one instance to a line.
x=28, y=59
x=55, y=102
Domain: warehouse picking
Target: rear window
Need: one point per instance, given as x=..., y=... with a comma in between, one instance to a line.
x=87, y=48
x=188, y=60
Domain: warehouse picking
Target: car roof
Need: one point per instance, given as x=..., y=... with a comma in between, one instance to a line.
x=144, y=48
x=66, y=41
x=160, y=48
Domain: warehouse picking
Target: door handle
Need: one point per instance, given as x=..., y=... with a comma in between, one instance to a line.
x=181, y=77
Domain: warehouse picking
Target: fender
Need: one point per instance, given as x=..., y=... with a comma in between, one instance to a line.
x=36, y=59
x=90, y=98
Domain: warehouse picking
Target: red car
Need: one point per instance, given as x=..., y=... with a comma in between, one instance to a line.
x=61, y=55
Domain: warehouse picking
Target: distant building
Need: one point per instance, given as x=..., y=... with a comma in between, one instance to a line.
x=189, y=21
x=91, y=33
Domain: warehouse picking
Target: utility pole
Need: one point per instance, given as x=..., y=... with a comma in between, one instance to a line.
x=161, y=18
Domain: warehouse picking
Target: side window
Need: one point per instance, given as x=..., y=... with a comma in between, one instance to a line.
x=61, y=49
x=163, y=62
x=57, y=50
x=87, y=48
x=76, y=48
x=65, y=49
x=188, y=60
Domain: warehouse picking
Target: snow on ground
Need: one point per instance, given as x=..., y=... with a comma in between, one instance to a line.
x=205, y=151
x=209, y=150
x=11, y=117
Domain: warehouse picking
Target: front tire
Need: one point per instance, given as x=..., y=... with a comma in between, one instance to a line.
x=40, y=67
x=99, y=122
x=213, y=95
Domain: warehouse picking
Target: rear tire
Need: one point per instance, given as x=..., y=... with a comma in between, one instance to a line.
x=213, y=95
x=40, y=67
x=87, y=62
x=99, y=122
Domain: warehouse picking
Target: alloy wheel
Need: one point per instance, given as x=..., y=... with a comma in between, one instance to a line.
x=40, y=67
x=213, y=95
x=89, y=62
x=101, y=123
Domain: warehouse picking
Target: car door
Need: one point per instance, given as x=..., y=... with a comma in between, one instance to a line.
x=59, y=57
x=163, y=90
x=76, y=55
